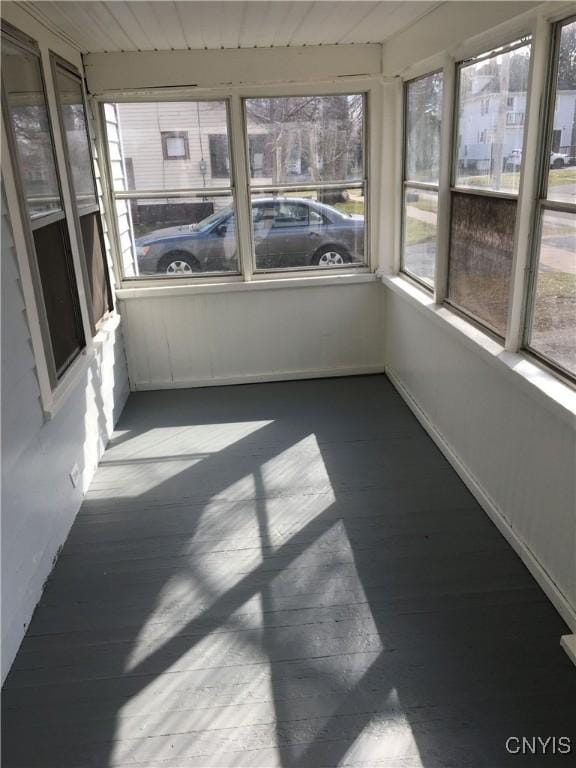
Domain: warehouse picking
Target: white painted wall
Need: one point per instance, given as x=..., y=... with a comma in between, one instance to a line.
x=39, y=501
x=253, y=332
x=512, y=443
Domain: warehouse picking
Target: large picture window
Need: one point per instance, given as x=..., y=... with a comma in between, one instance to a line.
x=27, y=118
x=551, y=327
x=486, y=179
x=70, y=98
x=422, y=125
x=174, y=200
x=307, y=181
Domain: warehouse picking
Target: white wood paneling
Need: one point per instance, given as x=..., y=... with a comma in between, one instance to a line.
x=253, y=335
x=514, y=450
x=148, y=26
x=109, y=72
x=450, y=25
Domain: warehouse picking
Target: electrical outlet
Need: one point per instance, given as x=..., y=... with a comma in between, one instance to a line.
x=75, y=475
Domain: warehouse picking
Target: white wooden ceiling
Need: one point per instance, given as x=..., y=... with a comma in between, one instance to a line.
x=95, y=27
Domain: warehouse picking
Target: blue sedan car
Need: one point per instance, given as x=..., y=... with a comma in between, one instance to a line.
x=288, y=232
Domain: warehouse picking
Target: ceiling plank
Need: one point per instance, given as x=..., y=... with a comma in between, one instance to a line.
x=132, y=25
x=128, y=20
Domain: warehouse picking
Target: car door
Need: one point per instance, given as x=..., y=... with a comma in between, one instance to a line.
x=291, y=236
x=262, y=222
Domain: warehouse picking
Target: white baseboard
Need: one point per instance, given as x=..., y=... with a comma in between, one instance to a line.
x=566, y=611
x=218, y=381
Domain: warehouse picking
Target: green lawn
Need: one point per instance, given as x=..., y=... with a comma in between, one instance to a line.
x=418, y=231
x=425, y=204
x=554, y=317
x=352, y=206
x=511, y=179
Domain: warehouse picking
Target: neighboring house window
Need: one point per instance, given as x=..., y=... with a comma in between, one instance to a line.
x=484, y=106
x=310, y=147
x=510, y=102
x=551, y=317
x=219, y=162
x=422, y=111
x=175, y=145
x=39, y=185
x=482, y=223
x=515, y=118
x=77, y=144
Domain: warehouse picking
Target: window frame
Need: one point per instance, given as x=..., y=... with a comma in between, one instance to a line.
x=424, y=186
x=53, y=385
x=542, y=204
x=370, y=85
x=520, y=40
x=539, y=28
x=250, y=267
x=165, y=136
x=88, y=209
x=229, y=190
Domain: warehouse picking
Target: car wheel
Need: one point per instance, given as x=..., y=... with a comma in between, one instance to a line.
x=558, y=163
x=178, y=264
x=331, y=256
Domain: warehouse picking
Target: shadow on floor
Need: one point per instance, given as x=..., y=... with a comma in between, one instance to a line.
x=284, y=575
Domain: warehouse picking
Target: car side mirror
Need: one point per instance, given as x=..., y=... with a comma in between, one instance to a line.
x=221, y=230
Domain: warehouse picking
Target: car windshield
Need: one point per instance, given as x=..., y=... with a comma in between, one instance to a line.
x=202, y=226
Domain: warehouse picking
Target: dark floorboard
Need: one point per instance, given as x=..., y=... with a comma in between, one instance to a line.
x=284, y=575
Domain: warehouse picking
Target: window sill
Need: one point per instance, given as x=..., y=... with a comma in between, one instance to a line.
x=79, y=367
x=260, y=284
x=535, y=380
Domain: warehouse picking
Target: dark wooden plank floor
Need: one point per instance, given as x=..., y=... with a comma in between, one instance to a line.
x=284, y=575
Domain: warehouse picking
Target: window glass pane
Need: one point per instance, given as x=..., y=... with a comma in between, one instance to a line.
x=306, y=139
x=219, y=162
x=562, y=174
x=179, y=237
x=419, y=235
x=320, y=228
x=60, y=293
x=26, y=102
x=481, y=247
x=554, y=316
x=168, y=143
x=423, y=122
x=70, y=94
x=491, y=111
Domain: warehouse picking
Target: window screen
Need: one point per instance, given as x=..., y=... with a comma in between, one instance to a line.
x=60, y=293
x=481, y=249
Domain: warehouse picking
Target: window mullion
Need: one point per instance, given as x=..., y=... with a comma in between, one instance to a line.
x=444, y=181
x=524, y=255
x=238, y=142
